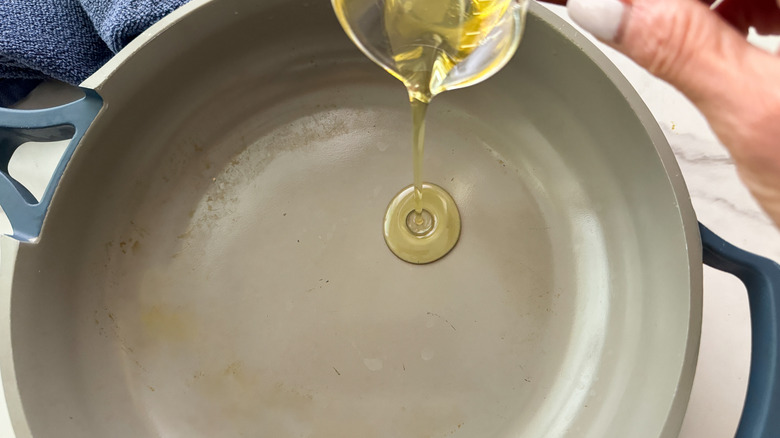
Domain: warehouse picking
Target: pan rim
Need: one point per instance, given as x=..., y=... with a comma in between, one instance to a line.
x=669, y=162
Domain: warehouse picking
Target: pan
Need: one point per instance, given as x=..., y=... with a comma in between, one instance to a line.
x=208, y=257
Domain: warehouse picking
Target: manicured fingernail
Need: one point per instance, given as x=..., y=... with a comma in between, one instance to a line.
x=602, y=18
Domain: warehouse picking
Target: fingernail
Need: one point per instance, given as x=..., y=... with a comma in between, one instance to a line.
x=602, y=18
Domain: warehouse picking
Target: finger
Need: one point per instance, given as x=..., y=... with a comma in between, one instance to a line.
x=733, y=83
x=764, y=15
x=680, y=41
x=684, y=43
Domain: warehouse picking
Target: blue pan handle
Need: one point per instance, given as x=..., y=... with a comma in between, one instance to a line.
x=761, y=276
x=69, y=121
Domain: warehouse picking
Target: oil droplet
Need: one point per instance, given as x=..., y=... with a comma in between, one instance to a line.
x=426, y=236
x=373, y=364
x=427, y=353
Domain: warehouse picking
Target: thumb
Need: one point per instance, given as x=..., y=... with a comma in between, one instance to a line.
x=681, y=41
x=733, y=83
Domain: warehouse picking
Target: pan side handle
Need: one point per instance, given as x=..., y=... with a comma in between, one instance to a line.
x=761, y=276
x=69, y=121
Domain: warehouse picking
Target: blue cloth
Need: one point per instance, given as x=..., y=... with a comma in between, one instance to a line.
x=67, y=39
x=119, y=21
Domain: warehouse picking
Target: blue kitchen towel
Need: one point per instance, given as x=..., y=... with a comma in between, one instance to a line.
x=119, y=21
x=67, y=39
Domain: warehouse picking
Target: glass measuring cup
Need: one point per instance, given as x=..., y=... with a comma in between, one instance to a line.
x=435, y=45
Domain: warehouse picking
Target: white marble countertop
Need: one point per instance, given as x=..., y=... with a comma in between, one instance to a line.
x=723, y=204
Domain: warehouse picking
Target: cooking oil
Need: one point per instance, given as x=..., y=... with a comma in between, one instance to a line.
x=422, y=43
x=427, y=39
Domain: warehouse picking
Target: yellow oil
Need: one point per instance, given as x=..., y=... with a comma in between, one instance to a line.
x=426, y=237
x=422, y=222
x=426, y=39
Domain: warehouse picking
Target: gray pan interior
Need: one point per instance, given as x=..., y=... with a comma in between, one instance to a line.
x=213, y=265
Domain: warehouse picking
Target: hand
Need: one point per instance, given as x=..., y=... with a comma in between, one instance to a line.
x=704, y=54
